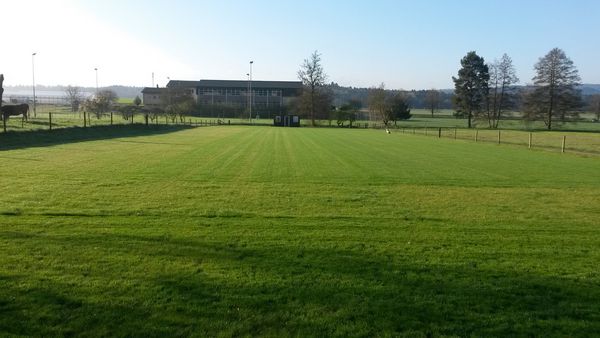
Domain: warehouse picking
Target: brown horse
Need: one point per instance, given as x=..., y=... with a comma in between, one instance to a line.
x=14, y=110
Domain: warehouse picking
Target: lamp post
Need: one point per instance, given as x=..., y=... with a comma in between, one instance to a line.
x=248, y=90
x=250, y=86
x=33, y=75
x=96, y=69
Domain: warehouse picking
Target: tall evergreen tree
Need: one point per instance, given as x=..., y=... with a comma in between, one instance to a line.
x=399, y=108
x=555, y=93
x=471, y=86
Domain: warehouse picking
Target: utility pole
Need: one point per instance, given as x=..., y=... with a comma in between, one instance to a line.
x=251, y=62
x=33, y=75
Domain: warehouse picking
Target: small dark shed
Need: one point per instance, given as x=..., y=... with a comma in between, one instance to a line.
x=286, y=121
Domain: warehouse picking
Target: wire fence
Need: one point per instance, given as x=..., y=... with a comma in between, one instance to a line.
x=577, y=142
x=62, y=117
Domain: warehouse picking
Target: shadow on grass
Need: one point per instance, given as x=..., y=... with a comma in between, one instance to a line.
x=157, y=285
x=43, y=138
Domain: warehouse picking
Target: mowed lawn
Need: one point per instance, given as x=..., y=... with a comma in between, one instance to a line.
x=263, y=231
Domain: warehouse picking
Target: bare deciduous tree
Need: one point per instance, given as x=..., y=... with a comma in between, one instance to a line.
x=595, y=105
x=313, y=78
x=101, y=103
x=176, y=102
x=502, y=78
x=74, y=97
x=433, y=98
x=379, y=105
x=554, y=93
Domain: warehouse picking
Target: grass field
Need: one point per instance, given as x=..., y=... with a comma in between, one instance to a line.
x=234, y=231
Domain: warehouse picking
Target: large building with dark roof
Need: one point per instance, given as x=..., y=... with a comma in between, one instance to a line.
x=267, y=96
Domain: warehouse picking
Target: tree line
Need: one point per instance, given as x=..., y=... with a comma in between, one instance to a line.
x=483, y=92
x=487, y=91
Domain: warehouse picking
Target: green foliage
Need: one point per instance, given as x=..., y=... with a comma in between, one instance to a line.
x=137, y=101
x=238, y=231
x=471, y=86
x=347, y=112
x=399, y=108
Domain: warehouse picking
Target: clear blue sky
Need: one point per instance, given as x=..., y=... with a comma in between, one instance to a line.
x=405, y=44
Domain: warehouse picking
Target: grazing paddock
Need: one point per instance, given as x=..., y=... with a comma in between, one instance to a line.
x=265, y=231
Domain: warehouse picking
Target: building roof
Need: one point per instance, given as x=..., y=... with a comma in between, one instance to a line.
x=235, y=84
x=152, y=90
x=255, y=84
x=182, y=83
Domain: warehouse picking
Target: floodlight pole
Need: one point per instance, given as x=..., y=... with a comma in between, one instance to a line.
x=33, y=75
x=96, y=69
x=250, y=85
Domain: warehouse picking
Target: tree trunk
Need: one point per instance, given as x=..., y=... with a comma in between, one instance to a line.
x=500, y=103
x=469, y=115
x=550, y=109
x=312, y=105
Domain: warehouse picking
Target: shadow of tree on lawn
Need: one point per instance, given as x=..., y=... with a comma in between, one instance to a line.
x=211, y=288
x=42, y=138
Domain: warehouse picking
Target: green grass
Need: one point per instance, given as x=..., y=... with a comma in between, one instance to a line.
x=236, y=231
x=125, y=100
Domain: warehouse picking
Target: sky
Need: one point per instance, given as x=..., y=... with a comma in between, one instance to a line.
x=414, y=44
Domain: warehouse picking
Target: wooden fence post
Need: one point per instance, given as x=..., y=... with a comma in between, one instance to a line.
x=529, y=143
x=562, y=149
x=111, y=118
x=439, y=132
x=84, y=119
x=455, y=133
x=476, y=134
x=50, y=120
x=1, y=93
x=498, y=136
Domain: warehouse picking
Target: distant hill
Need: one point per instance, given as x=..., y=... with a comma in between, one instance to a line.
x=59, y=90
x=343, y=94
x=590, y=89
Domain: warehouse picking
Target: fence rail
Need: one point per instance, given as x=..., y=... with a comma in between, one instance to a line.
x=579, y=142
